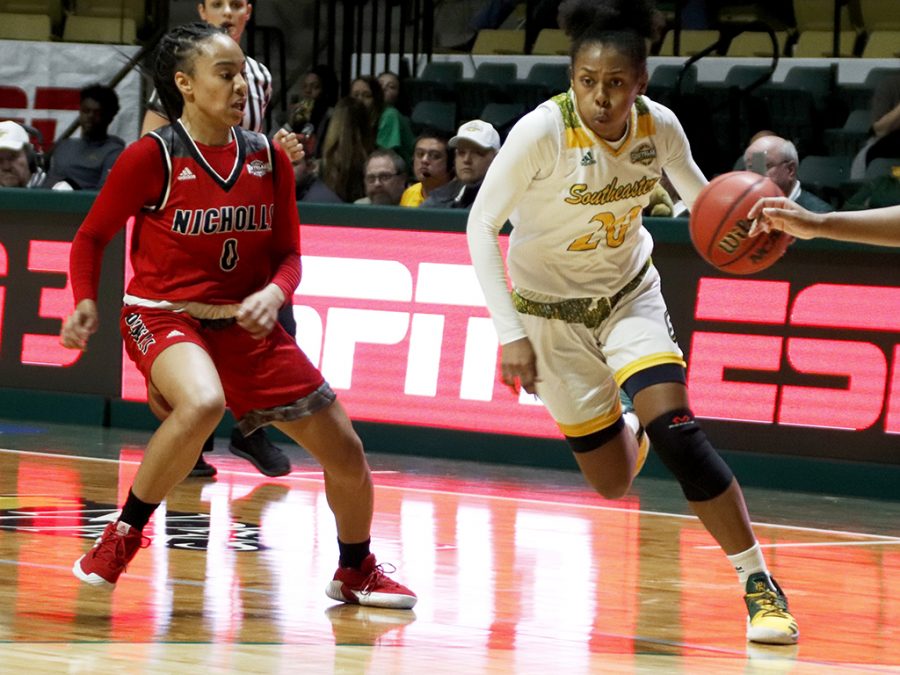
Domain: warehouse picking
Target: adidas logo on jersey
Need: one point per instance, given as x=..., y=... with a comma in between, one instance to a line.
x=186, y=174
x=587, y=159
x=175, y=333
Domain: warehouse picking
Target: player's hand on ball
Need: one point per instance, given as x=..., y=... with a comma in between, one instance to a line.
x=80, y=325
x=290, y=143
x=518, y=365
x=259, y=312
x=780, y=213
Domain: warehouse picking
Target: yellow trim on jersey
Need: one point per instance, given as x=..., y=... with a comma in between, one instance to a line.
x=576, y=135
x=641, y=125
x=578, y=138
x=645, y=124
x=594, y=425
x=647, y=362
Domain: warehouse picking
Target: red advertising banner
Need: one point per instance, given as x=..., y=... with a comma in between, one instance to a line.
x=396, y=322
x=802, y=359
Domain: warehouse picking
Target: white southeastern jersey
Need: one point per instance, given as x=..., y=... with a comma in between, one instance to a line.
x=575, y=203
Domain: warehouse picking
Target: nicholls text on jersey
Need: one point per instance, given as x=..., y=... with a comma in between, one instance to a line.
x=223, y=219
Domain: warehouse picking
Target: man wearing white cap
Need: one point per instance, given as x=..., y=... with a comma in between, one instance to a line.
x=476, y=144
x=17, y=164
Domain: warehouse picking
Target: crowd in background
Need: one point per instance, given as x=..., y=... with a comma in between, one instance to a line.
x=361, y=148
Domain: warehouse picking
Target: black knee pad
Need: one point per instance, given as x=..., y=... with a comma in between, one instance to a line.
x=683, y=447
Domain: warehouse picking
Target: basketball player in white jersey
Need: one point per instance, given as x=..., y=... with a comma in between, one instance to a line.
x=586, y=315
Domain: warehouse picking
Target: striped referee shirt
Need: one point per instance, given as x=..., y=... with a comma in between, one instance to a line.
x=259, y=91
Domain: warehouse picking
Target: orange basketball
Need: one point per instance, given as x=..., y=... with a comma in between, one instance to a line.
x=719, y=224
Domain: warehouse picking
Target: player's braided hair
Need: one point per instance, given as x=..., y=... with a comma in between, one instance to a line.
x=626, y=24
x=176, y=52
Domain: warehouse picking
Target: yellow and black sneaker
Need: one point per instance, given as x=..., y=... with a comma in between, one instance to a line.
x=770, y=621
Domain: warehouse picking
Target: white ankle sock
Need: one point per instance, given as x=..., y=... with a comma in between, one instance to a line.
x=747, y=563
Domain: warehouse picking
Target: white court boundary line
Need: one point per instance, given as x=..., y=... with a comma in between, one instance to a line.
x=252, y=474
x=881, y=538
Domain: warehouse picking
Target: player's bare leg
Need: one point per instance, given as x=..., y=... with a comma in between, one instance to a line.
x=196, y=404
x=328, y=436
x=185, y=393
x=724, y=514
x=611, y=468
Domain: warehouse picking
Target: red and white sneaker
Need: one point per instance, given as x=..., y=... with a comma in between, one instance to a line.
x=369, y=586
x=102, y=565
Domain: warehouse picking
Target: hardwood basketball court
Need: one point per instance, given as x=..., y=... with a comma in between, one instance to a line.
x=517, y=571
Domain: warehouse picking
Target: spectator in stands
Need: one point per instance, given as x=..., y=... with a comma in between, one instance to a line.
x=320, y=94
x=393, y=131
x=476, y=144
x=83, y=163
x=345, y=149
x=308, y=186
x=385, y=178
x=18, y=161
x=886, y=119
x=432, y=166
x=367, y=91
x=877, y=192
x=778, y=158
x=390, y=87
x=232, y=17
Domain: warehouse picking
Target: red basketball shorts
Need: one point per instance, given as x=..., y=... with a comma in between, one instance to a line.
x=255, y=374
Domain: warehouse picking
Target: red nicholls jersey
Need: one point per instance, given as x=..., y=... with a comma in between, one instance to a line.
x=213, y=224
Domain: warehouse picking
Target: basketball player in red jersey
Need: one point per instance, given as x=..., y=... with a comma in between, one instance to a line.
x=215, y=253
x=233, y=16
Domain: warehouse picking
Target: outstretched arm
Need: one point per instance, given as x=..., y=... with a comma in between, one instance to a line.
x=880, y=227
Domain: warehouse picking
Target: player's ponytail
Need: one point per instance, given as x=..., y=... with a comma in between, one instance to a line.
x=176, y=52
x=628, y=24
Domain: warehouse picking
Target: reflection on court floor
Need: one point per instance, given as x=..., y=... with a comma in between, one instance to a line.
x=511, y=578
